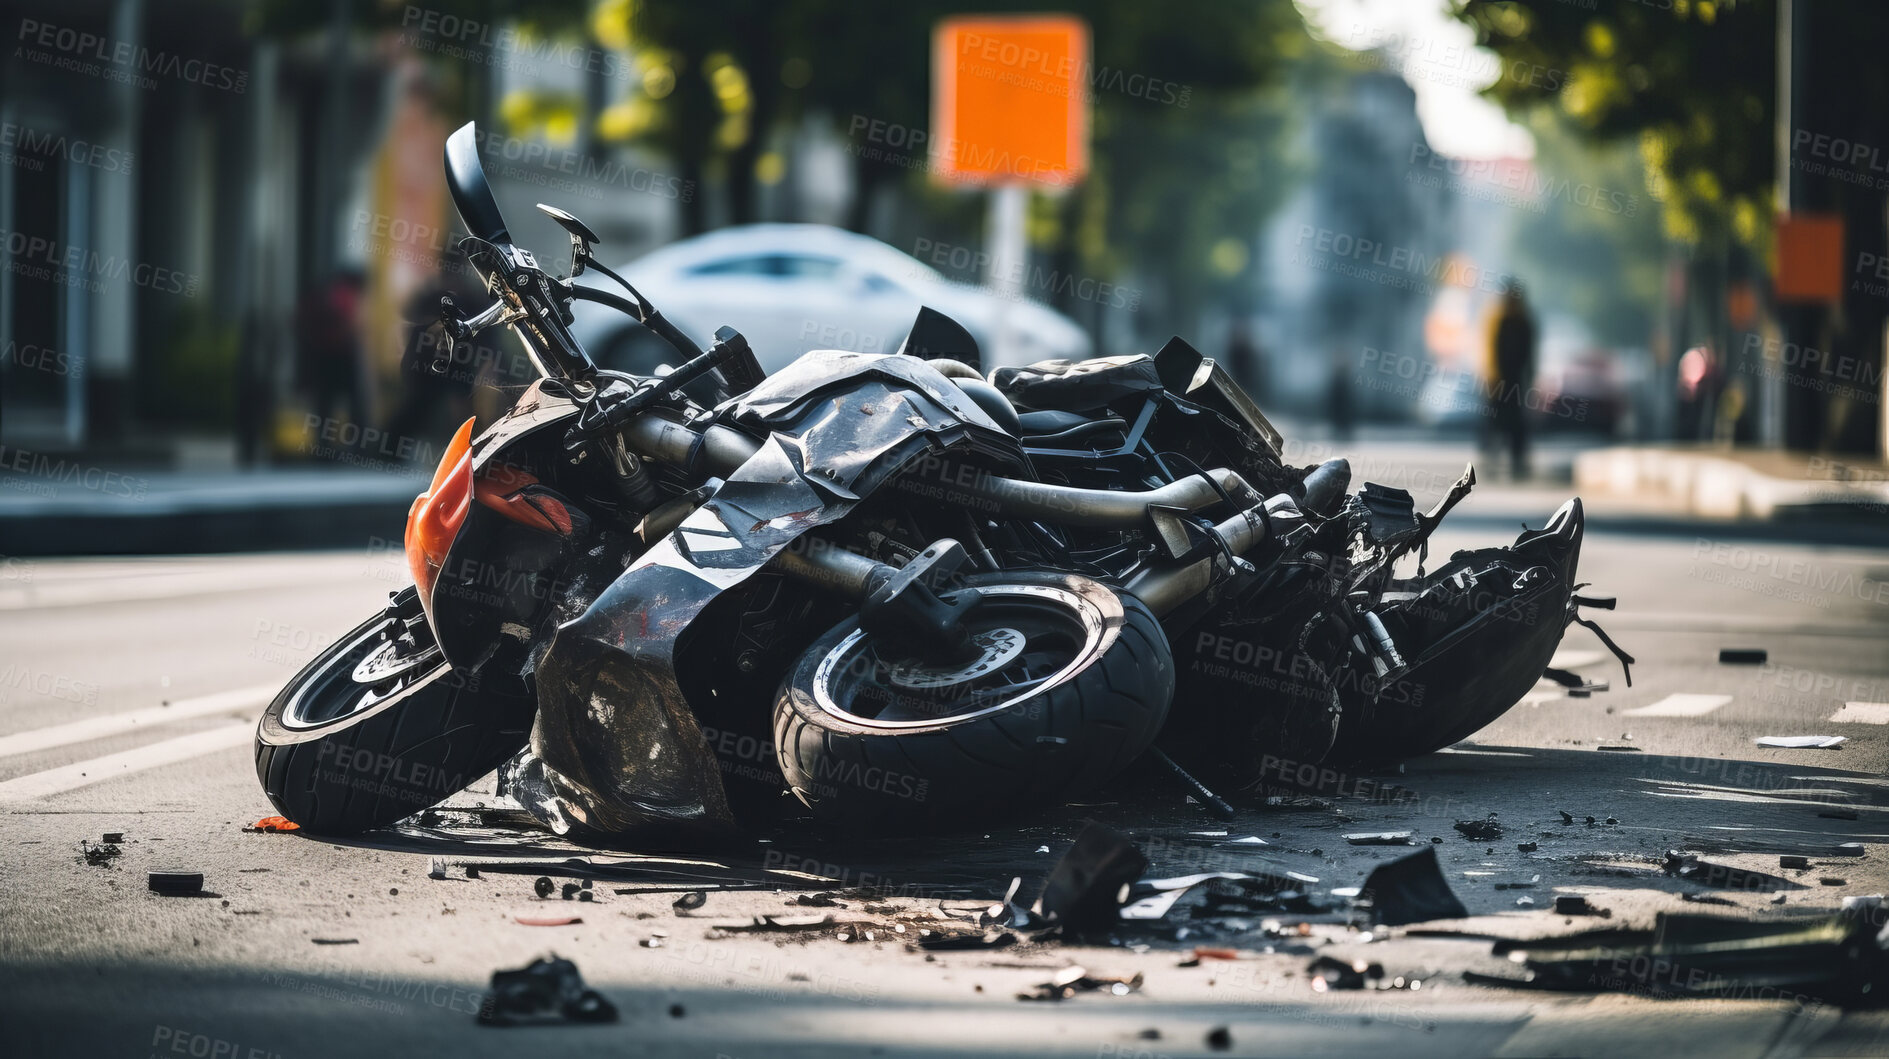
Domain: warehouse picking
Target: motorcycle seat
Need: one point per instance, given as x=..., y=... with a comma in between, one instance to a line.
x=1044, y=422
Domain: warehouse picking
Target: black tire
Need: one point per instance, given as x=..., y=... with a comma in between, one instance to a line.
x=953, y=755
x=337, y=770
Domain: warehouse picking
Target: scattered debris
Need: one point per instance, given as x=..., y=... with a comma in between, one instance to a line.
x=272, y=825
x=1207, y=952
x=1620, y=749
x=1410, y=890
x=1847, y=849
x=1529, y=885
x=1568, y=818
x=1480, y=830
x=1802, y=742
x=1742, y=656
x=1839, y=814
x=1297, y=801
x=1219, y=1038
x=773, y=924
x=1836, y=959
x=436, y=868
x=1577, y=905
x=1221, y=808
x=1790, y=860
x=547, y=990
x=101, y=855
x=1689, y=867
x=336, y=941
x=1577, y=686
x=1381, y=838
x=1251, y=895
x=1071, y=980
x=175, y=883
x=1091, y=882
x=961, y=942
x=1524, y=902
x=1832, y=880
x=114, y=838
x=823, y=899
x=1330, y=973
x=544, y=887
x=547, y=921
x=1007, y=912
x=690, y=901
x=1527, y=847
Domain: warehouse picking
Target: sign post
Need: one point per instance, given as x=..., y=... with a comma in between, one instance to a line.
x=1010, y=112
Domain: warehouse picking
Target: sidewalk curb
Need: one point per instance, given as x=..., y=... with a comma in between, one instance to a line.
x=180, y=530
x=1707, y=485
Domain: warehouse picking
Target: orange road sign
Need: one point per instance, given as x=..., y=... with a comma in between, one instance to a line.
x=1809, y=257
x=1010, y=101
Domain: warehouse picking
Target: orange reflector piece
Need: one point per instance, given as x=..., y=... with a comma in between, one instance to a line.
x=275, y=823
x=437, y=514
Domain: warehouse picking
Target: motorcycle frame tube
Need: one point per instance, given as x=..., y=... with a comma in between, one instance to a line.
x=719, y=450
x=1165, y=589
x=831, y=567
x=1068, y=505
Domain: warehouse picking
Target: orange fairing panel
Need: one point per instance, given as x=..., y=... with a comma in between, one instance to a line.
x=437, y=514
x=502, y=489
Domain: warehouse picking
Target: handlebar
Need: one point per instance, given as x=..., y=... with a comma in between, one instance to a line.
x=640, y=311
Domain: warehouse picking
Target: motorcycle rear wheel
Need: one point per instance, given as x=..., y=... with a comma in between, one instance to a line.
x=379, y=727
x=1069, y=683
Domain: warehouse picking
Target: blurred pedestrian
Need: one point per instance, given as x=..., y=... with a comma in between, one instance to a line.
x=331, y=361
x=1245, y=362
x=1343, y=412
x=1511, y=373
x=1700, y=380
x=437, y=383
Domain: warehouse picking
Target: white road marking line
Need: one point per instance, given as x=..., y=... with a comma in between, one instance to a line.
x=1862, y=713
x=124, y=763
x=1682, y=705
x=156, y=587
x=119, y=723
x=1575, y=659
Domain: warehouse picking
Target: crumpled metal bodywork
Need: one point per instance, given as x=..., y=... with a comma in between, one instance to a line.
x=617, y=751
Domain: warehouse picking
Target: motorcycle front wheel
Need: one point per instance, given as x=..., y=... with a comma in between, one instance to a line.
x=1064, y=683
x=379, y=727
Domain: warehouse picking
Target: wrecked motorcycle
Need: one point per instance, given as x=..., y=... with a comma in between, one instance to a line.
x=901, y=590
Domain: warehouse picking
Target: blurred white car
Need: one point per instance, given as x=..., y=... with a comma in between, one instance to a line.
x=791, y=288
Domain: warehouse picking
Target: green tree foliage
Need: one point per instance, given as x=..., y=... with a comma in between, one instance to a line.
x=1692, y=81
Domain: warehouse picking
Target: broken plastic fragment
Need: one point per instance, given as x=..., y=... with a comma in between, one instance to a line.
x=1411, y=890
x=1480, y=830
x=175, y=883
x=547, y=921
x=548, y=989
x=1802, y=742
x=270, y=824
x=1090, y=883
x=1723, y=876
x=1381, y=838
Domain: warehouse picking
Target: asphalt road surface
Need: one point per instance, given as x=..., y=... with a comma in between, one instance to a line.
x=128, y=696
